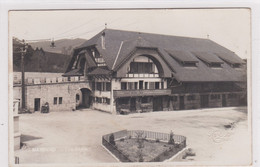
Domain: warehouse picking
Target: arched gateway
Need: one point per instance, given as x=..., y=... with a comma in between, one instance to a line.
x=84, y=98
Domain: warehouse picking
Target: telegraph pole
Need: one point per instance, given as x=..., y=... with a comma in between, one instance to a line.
x=23, y=52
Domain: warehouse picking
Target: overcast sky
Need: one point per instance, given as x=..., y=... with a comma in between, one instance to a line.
x=228, y=27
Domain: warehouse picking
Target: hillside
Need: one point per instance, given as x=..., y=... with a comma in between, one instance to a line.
x=63, y=46
x=42, y=58
x=43, y=61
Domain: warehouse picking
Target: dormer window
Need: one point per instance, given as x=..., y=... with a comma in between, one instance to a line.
x=189, y=64
x=142, y=65
x=184, y=58
x=231, y=59
x=209, y=59
x=236, y=65
x=98, y=58
x=215, y=65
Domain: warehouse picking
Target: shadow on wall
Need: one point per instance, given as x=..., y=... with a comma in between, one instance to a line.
x=25, y=138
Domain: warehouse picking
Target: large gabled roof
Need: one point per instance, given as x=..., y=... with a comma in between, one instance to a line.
x=119, y=44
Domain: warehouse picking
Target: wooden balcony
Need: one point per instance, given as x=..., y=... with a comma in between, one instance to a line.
x=142, y=92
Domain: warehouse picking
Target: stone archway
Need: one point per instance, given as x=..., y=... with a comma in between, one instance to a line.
x=83, y=98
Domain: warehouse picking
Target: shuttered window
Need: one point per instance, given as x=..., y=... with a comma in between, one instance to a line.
x=141, y=67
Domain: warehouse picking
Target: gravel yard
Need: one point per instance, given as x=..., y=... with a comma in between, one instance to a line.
x=75, y=137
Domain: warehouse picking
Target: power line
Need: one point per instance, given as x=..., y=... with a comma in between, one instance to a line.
x=76, y=27
x=92, y=30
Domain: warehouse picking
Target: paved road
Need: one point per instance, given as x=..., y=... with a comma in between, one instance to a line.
x=75, y=137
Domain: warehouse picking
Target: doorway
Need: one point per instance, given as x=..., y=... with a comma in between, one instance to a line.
x=224, y=101
x=86, y=100
x=182, y=107
x=37, y=104
x=141, y=84
x=204, y=101
x=157, y=104
x=132, y=104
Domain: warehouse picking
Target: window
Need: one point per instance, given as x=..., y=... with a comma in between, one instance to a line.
x=151, y=85
x=141, y=67
x=189, y=64
x=141, y=84
x=103, y=84
x=98, y=99
x=123, y=101
x=108, y=86
x=123, y=86
x=157, y=85
x=108, y=100
x=60, y=100
x=146, y=85
x=99, y=86
x=145, y=100
x=104, y=99
x=93, y=86
x=55, y=100
x=215, y=65
x=236, y=65
x=214, y=96
x=191, y=97
x=136, y=85
x=130, y=85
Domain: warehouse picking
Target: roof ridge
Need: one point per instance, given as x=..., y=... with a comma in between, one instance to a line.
x=150, y=33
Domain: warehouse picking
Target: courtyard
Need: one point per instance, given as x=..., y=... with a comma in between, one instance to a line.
x=75, y=137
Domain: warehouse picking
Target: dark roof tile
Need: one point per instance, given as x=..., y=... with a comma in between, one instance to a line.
x=119, y=44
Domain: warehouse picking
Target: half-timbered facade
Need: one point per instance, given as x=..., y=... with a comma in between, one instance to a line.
x=139, y=72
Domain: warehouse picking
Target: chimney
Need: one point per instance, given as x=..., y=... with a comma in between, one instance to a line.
x=103, y=42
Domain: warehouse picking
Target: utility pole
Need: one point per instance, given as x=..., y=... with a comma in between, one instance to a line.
x=23, y=52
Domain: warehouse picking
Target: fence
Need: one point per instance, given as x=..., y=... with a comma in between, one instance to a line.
x=157, y=135
x=119, y=154
x=180, y=142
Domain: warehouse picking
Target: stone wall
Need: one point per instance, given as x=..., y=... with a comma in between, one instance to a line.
x=47, y=93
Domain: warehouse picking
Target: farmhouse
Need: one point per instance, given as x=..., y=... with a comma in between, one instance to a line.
x=122, y=71
x=139, y=72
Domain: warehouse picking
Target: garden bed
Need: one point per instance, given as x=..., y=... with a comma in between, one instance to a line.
x=143, y=146
x=152, y=150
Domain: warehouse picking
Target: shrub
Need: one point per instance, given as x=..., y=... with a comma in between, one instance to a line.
x=166, y=153
x=112, y=139
x=122, y=139
x=190, y=152
x=157, y=140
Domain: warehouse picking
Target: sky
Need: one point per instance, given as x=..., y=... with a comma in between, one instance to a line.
x=228, y=27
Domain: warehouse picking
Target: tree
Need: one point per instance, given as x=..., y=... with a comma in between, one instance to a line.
x=17, y=46
x=171, y=140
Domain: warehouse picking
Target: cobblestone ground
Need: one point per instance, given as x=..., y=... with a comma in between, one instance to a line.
x=75, y=137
